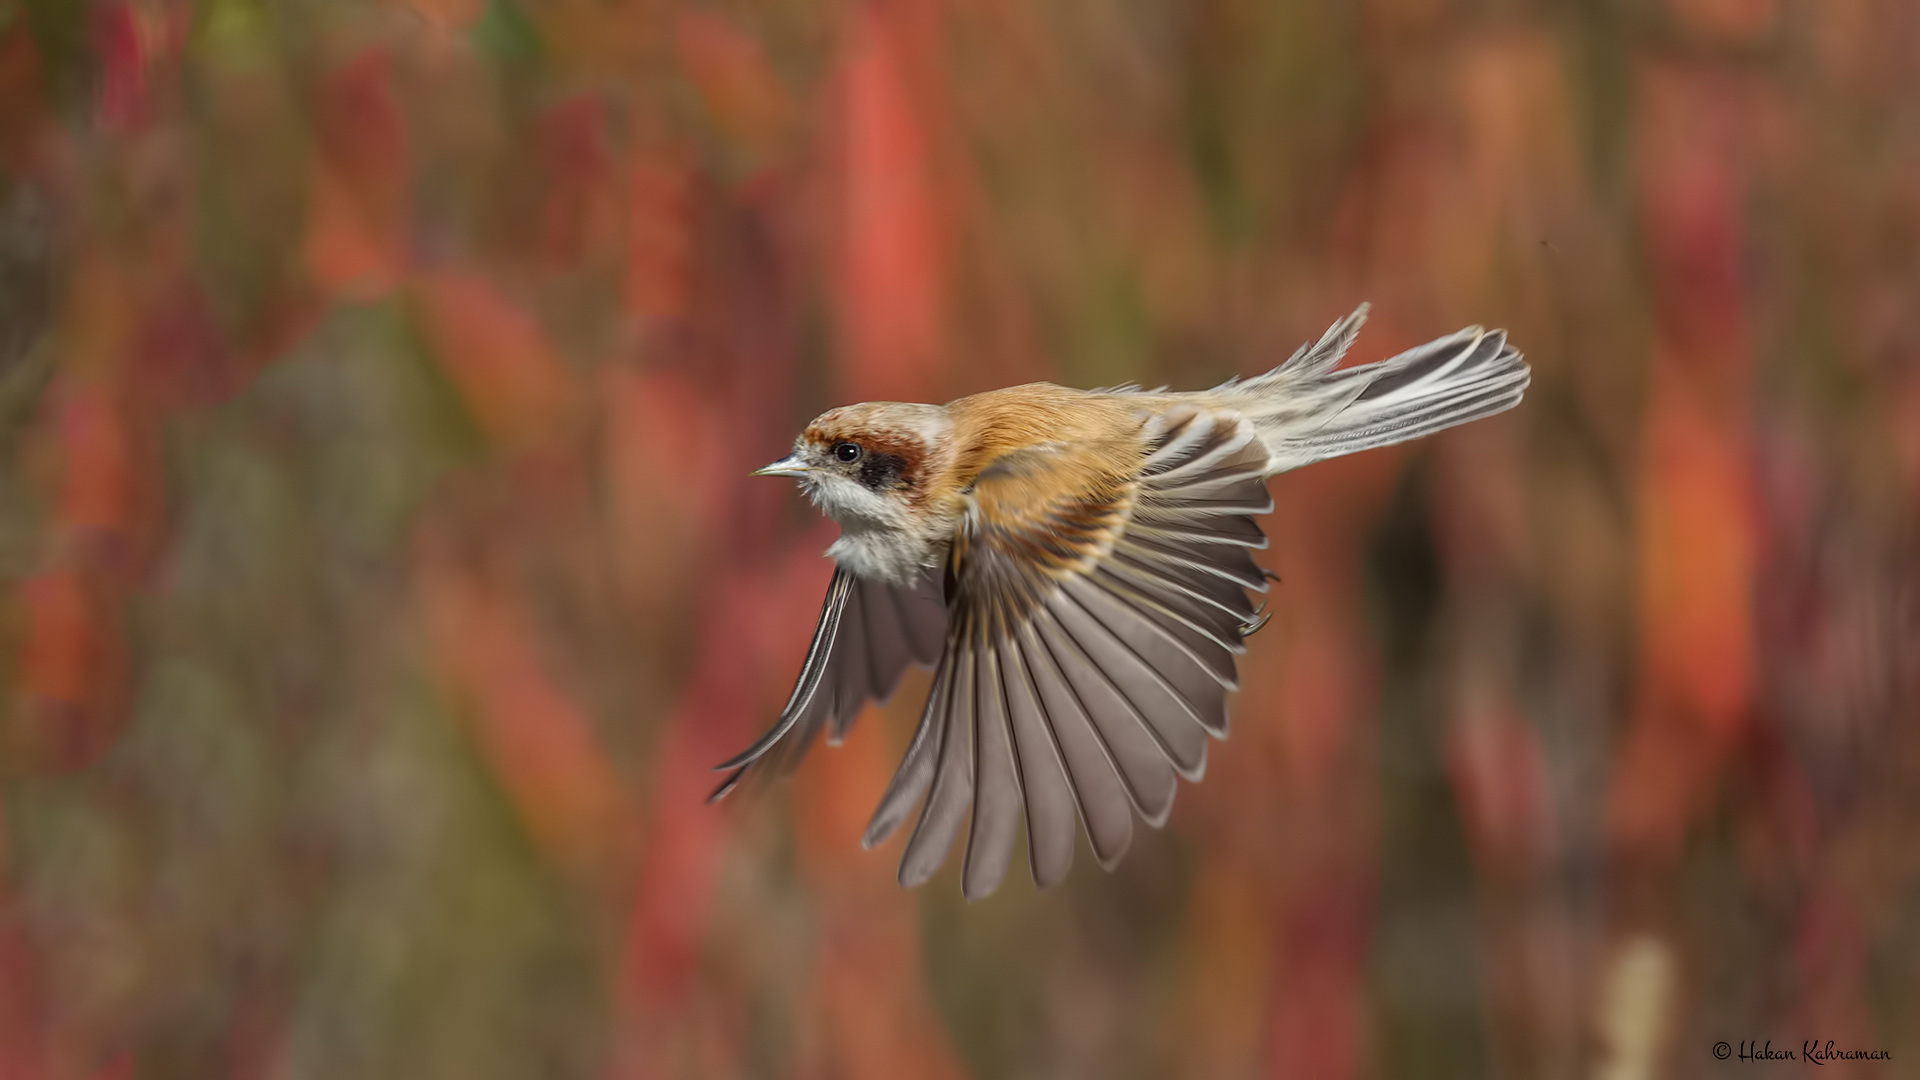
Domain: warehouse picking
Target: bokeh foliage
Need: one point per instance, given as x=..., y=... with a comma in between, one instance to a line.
x=378, y=381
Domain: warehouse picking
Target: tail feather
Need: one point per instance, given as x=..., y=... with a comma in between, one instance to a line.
x=1311, y=361
x=1306, y=411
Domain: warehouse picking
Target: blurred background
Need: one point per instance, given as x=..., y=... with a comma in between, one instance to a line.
x=378, y=382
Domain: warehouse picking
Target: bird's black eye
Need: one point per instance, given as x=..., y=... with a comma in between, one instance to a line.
x=847, y=452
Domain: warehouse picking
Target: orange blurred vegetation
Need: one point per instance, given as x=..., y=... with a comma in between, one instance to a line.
x=378, y=382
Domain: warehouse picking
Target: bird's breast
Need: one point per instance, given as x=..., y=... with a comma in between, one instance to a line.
x=883, y=554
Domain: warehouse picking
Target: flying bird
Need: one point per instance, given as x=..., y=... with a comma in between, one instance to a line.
x=1075, y=565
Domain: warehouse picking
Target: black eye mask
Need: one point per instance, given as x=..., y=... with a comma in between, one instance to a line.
x=882, y=471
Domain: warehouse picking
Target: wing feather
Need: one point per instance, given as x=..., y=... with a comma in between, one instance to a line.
x=1196, y=608
x=1198, y=669
x=867, y=642
x=1232, y=564
x=1142, y=695
x=911, y=779
x=996, y=797
x=1144, y=769
x=1105, y=802
x=867, y=635
x=946, y=805
x=922, y=614
x=1173, y=721
x=1051, y=805
x=1188, y=528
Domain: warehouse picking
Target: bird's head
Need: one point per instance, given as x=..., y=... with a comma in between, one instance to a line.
x=872, y=466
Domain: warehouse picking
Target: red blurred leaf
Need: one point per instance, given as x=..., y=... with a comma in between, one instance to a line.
x=657, y=518
x=1697, y=552
x=581, y=205
x=1697, y=560
x=361, y=131
x=659, y=236
x=1778, y=820
x=257, y=1035
x=121, y=43
x=1318, y=981
x=63, y=646
x=1832, y=968
x=25, y=1050
x=1690, y=140
x=892, y=254
x=180, y=357
x=1697, y=543
x=730, y=70
x=517, y=387
x=751, y=641
x=834, y=796
x=1324, y=681
x=1663, y=777
x=108, y=508
x=1905, y=421
x=872, y=991
x=1729, y=20
x=72, y=671
x=1224, y=954
x=346, y=253
x=98, y=483
x=1500, y=773
x=286, y=318
x=450, y=16
x=1316, y=708
x=23, y=99
x=120, y=1066
x=356, y=239
x=537, y=740
x=668, y=921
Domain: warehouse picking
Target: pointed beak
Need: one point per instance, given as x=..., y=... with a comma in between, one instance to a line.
x=791, y=465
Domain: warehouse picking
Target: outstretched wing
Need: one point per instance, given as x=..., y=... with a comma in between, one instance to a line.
x=869, y=632
x=1090, y=650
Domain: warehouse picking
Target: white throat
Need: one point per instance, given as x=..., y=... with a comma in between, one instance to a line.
x=878, y=535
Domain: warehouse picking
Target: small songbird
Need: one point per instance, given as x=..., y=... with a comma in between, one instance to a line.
x=1075, y=566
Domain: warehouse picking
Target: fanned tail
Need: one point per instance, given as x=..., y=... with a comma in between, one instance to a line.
x=1306, y=411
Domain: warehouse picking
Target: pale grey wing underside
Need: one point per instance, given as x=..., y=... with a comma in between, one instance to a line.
x=867, y=635
x=1080, y=695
